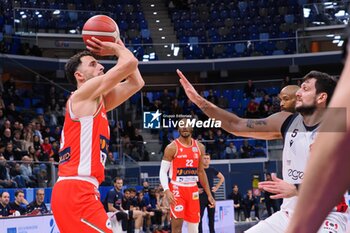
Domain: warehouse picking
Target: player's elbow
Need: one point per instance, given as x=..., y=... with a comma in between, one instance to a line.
x=140, y=84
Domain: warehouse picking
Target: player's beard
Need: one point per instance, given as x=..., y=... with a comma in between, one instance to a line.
x=185, y=134
x=306, y=110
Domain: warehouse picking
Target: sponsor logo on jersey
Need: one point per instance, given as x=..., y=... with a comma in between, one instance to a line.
x=194, y=149
x=64, y=155
x=295, y=174
x=195, y=196
x=291, y=143
x=179, y=208
x=104, y=116
x=331, y=226
x=188, y=171
x=181, y=156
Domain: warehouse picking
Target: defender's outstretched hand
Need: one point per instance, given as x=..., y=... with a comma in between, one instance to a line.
x=191, y=93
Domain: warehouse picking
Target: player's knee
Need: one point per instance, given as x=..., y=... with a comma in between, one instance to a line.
x=192, y=227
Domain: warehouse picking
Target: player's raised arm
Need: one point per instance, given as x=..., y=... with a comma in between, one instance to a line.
x=94, y=82
x=124, y=90
x=266, y=128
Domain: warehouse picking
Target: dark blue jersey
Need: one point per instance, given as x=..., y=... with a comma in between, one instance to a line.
x=115, y=197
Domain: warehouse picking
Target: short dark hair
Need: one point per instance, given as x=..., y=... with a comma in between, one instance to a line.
x=73, y=63
x=18, y=192
x=324, y=83
x=117, y=178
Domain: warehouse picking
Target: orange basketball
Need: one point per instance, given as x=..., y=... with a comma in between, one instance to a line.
x=102, y=27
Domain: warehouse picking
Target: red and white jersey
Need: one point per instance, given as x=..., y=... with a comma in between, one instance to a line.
x=184, y=166
x=84, y=143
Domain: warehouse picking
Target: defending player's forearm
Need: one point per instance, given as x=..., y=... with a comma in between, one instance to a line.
x=229, y=121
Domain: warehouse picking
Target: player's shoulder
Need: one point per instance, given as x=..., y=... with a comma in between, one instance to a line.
x=171, y=146
x=200, y=145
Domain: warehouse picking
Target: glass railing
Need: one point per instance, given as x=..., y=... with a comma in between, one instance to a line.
x=328, y=13
x=27, y=173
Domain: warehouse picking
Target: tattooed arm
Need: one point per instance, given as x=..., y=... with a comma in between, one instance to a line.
x=267, y=128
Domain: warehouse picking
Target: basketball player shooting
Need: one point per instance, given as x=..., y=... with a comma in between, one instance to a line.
x=298, y=131
x=183, y=158
x=85, y=135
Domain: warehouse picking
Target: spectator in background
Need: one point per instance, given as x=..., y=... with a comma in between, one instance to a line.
x=37, y=131
x=32, y=154
x=110, y=159
x=166, y=100
x=57, y=134
x=26, y=171
x=146, y=102
x=47, y=133
x=211, y=97
x=11, y=112
x=3, y=118
x=236, y=196
x=37, y=147
x=175, y=107
x=6, y=125
x=220, y=141
x=10, y=154
x=38, y=203
x=249, y=89
x=18, y=143
x=252, y=109
x=20, y=202
x=164, y=140
x=41, y=121
x=2, y=103
x=264, y=106
x=223, y=102
x=130, y=130
x=4, y=204
x=7, y=136
x=231, y=151
x=286, y=81
x=246, y=149
x=15, y=174
x=188, y=107
x=249, y=204
x=46, y=148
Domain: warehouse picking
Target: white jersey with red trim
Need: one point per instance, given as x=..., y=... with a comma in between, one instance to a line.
x=184, y=166
x=84, y=143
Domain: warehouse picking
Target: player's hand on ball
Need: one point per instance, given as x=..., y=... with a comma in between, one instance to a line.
x=103, y=48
